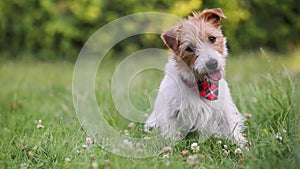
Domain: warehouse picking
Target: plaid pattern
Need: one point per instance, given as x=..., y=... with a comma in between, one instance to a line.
x=205, y=88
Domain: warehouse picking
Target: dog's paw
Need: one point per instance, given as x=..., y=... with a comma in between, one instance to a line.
x=243, y=142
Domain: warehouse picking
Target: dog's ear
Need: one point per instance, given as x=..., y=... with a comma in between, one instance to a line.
x=170, y=38
x=213, y=15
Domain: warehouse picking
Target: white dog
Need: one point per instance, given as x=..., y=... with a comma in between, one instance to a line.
x=193, y=94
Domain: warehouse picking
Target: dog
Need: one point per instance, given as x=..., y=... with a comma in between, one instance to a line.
x=193, y=95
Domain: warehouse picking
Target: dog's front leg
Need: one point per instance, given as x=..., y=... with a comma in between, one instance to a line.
x=173, y=127
x=234, y=121
x=159, y=111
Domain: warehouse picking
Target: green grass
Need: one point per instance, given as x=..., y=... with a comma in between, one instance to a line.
x=32, y=90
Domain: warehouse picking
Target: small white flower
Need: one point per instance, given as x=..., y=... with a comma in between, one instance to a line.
x=78, y=151
x=185, y=153
x=92, y=157
x=248, y=116
x=84, y=146
x=225, y=146
x=283, y=130
x=225, y=152
x=24, y=166
x=278, y=137
x=95, y=165
x=177, y=134
x=219, y=142
x=167, y=149
x=131, y=125
x=238, y=151
x=192, y=160
x=195, y=147
x=67, y=159
x=146, y=138
x=166, y=156
x=88, y=141
x=39, y=125
x=126, y=132
x=30, y=153
x=193, y=157
x=127, y=145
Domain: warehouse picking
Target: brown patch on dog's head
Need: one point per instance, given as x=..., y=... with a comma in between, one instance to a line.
x=170, y=38
x=212, y=15
x=196, y=35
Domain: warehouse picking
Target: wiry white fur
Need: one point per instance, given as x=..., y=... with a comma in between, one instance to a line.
x=179, y=110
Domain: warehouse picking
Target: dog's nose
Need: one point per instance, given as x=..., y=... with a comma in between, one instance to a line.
x=212, y=64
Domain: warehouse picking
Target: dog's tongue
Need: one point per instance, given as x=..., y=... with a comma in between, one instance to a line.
x=215, y=76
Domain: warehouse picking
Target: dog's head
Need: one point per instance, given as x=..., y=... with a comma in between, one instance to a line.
x=198, y=42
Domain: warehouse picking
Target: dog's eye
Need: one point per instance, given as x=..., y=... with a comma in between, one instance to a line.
x=190, y=48
x=212, y=39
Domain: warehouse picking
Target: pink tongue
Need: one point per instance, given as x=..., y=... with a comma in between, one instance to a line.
x=215, y=76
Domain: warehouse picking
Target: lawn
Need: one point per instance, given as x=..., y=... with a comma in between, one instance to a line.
x=40, y=129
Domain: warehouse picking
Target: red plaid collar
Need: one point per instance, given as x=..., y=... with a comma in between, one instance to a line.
x=205, y=88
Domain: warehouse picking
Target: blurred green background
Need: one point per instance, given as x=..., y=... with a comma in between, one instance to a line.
x=57, y=29
x=41, y=39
